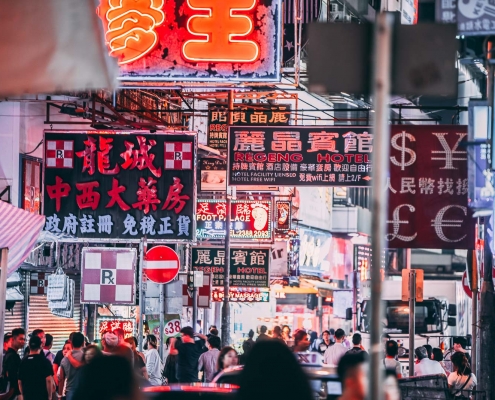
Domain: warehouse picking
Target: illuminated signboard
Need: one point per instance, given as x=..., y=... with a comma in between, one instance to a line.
x=300, y=156
x=109, y=185
x=235, y=40
x=128, y=325
x=250, y=219
x=243, y=295
x=248, y=267
x=283, y=217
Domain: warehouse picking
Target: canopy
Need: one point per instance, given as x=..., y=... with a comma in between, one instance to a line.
x=19, y=230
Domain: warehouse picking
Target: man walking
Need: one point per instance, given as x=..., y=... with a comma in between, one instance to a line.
x=36, y=373
x=356, y=344
x=334, y=353
x=47, y=348
x=12, y=361
x=208, y=361
x=70, y=366
x=425, y=365
x=188, y=353
x=263, y=336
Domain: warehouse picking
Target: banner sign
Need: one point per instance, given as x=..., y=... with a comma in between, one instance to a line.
x=284, y=215
x=248, y=267
x=120, y=185
x=446, y=11
x=250, y=219
x=128, y=325
x=213, y=175
x=300, y=156
x=279, y=264
x=428, y=188
x=204, y=292
x=257, y=115
x=108, y=276
x=243, y=295
x=194, y=40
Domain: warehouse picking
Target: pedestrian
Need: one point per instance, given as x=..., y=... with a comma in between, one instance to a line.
x=353, y=370
x=208, y=361
x=462, y=378
x=247, y=345
x=272, y=372
x=262, y=336
x=123, y=345
x=7, y=339
x=227, y=358
x=425, y=365
x=36, y=373
x=170, y=370
x=59, y=358
x=286, y=333
x=313, y=341
x=301, y=341
x=212, y=331
x=429, y=350
x=11, y=363
x=437, y=355
x=188, y=351
x=112, y=346
x=107, y=378
x=41, y=334
x=334, y=353
x=154, y=364
x=277, y=334
x=390, y=361
x=459, y=345
x=70, y=367
x=357, y=347
x=47, y=348
x=325, y=342
x=139, y=359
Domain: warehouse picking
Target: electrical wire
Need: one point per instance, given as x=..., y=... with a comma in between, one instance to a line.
x=36, y=148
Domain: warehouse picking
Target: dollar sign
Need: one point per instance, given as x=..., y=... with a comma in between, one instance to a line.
x=403, y=150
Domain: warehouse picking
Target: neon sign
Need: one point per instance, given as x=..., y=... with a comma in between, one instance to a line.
x=218, y=30
x=235, y=40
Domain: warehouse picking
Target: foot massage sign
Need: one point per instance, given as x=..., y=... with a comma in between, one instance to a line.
x=194, y=39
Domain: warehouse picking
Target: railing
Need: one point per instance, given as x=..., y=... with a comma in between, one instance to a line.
x=419, y=393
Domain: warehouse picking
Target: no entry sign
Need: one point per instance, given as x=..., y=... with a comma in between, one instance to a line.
x=161, y=264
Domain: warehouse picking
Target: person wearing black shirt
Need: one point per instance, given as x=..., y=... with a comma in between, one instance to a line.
x=12, y=360
x=36, y=373
x=188, y=353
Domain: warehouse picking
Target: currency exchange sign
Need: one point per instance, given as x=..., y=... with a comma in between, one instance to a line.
x=428, y=188
x=120, y=185
x=300, y=156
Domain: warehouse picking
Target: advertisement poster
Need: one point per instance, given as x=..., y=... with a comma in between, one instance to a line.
x=248, y=267
x=250, y=219
x=300, y=156
x=120, y=185
x=213, y=175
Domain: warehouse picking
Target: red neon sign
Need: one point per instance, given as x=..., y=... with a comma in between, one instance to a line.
x=130, y=27
x=222, y=32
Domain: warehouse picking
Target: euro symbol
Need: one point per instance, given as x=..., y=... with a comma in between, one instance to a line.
x=396, y=223
x=403, y=150
x=439, y=223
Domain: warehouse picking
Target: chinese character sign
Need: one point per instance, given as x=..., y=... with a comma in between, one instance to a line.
x=111, y=185
x=248, y=267
x=259, y=115
x=300, y=156
x=250, y=219
x=428, y=188
x=194, y=39
x=128, y=325
x=474, y=17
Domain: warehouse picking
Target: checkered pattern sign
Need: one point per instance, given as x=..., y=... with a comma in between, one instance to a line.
x=204, y=292
x=178, y=155
x=38, y=283
x=59, y=154
x=108, y=276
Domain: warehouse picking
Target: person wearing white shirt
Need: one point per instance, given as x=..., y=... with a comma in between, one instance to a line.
x=425, y=365
x=334, y=353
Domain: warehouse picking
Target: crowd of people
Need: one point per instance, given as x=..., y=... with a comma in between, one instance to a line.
x=194, y=357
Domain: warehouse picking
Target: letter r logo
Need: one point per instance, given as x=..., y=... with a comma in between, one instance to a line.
x=107, y=277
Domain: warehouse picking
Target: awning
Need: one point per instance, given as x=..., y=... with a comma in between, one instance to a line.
x=19, y=230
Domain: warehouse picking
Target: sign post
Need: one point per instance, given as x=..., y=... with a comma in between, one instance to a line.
x=412, y=318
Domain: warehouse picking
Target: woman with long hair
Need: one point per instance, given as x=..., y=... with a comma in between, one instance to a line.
x=462, y=378
x=154, y=364
x=227, y=358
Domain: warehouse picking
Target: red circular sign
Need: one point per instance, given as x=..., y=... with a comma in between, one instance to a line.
x=161, y=264
x=465, y=285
